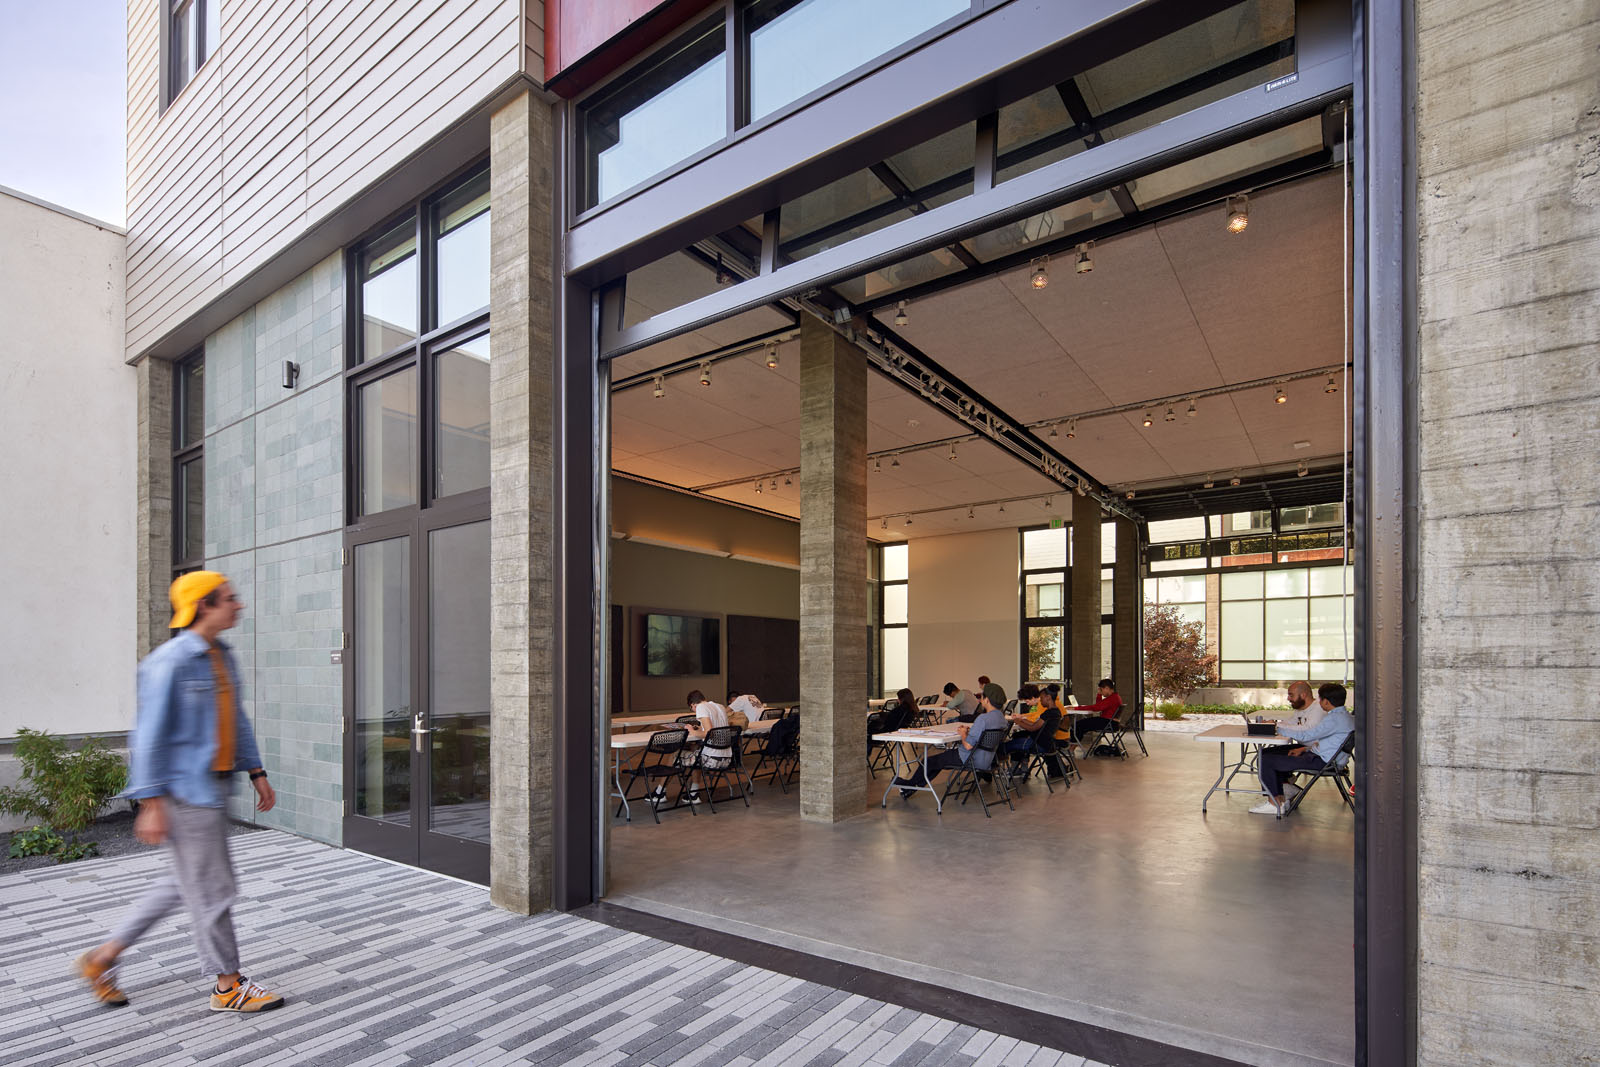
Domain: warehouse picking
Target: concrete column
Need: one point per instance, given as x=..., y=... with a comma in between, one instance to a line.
x=1084, y=656
x=833, y=575
x=154, y=523
x=522, y=482
x=1127, y=594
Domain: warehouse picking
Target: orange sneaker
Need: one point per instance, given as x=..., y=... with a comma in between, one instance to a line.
x=245, y=996
x=100, y=981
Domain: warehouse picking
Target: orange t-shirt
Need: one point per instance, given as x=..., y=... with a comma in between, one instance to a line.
x=223, y=760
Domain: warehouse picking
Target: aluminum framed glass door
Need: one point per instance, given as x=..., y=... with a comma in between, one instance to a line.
x=417, y=695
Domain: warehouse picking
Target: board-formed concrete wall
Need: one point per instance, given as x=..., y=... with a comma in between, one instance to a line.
x=1508, y=132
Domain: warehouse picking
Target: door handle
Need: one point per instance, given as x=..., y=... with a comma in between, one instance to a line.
x=418, y=731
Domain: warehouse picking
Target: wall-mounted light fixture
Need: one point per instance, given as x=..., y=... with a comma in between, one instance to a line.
x=291, y=373
x=1238, y=213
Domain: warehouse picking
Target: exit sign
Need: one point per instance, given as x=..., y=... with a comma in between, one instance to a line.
x=1057, y=523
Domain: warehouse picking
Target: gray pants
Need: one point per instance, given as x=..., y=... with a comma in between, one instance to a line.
x=201, y=876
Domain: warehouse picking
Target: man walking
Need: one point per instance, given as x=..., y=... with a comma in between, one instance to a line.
x=190, y=738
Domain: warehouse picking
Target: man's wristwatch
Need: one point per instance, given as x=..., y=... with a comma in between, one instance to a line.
x=257, y=774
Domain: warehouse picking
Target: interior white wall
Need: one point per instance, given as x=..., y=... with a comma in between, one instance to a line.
x=963, y=610
x=67, y=414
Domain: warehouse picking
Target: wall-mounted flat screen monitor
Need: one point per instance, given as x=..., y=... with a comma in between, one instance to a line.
x=681, y=645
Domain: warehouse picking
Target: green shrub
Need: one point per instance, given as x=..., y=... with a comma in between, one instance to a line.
x=1170, y=711
x=34, y=841
x=62, y=788
x=76, y=851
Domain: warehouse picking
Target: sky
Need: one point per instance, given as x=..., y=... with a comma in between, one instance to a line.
x=63, y=85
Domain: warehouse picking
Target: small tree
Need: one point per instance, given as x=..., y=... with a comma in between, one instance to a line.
x=1176, y=662
x=1044, y=654
x=61, y=788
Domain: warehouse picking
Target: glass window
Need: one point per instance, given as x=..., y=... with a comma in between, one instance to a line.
x=389, y=291
x=1043, y=595
x=461, y=417
x=194, y=27
x=190, y=424
x=191, y=511
x=388, y=414
x=462, y=256
x=1044, y=548
x=797, y=45
x=1311, y=516
x=895, y=605
x=896, y=659
x=675, y=108
x=1107, y=592
x=1290, y=583
x=1165, y=530
x=1105, y=651
x=1108, y=543
x=1245, y=586
x=895, y=562
x=1242, y=636
x=382, y=649
x=1046, y=653
x=458, y=680
x=1181, y=589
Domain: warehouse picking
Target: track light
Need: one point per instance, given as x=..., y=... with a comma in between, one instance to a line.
x=1332, y=386
x=661, y=387
x=1149, y=420
x=1002, y=507
x=1052, y=431
x=908, y=520
x=705, y=373
x=1085, y=263
x=900, y=318
x=1234, y=480
x=1170, y=416
x=772, y=355
x=952, y=456
x=758, y=486
x=1278, y=395
x=884, y=525
x=1238, y=213
x=724, y=276
x=1130, y=494
x=1209, y=483
x=774, y=486
x=894, y=462
x=1047, y=502
x=1193, y=411
x=1301, y=471
x=1082, y=487
x=1072, y=429
x=877, y=466
x=787, y=481
x=970, y=515
x=1041, y=272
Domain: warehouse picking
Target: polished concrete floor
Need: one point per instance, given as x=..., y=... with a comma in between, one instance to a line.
x=1117, y=902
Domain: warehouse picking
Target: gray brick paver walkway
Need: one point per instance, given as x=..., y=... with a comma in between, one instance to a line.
x=383, y=966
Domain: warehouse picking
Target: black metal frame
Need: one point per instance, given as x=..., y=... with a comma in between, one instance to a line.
x=186, y=451
x=413, y=842
x=1026, y=621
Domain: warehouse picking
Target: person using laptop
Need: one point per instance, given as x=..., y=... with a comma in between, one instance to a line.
x=1318, y=745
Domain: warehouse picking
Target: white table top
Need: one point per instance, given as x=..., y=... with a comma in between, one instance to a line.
x=922, y=735
x=654, y=718
x=1236, y=732
x=641, y=738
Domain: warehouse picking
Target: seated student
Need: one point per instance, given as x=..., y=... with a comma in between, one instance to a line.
x=711, y=715
x=1107, y=704
x=991, y=717
x=1307, y=710
x=900, y=714
x=960, y=701
x=746, y=706
x=1321, y=744
x=1036, y=725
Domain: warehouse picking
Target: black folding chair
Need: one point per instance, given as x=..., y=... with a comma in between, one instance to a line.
x=967, y=779
x=720, y=737
x=1037, y=754
x=667, y=746
x=1337, y=771
x=782, y=752
x=879, y=753
x=1121, y=728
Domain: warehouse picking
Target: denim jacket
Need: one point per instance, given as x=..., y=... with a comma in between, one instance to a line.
x=175, y=733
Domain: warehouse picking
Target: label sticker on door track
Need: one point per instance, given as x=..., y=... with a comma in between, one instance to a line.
x=1279, y=83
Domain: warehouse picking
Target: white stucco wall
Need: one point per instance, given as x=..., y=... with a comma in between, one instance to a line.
x=67, y=408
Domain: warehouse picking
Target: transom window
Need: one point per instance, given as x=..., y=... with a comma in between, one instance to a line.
x=188, y=464
x=194, y=27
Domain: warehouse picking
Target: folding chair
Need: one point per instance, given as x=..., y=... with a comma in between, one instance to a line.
x=782, y=751
x=1036, y=756
x=878, y=752
x=722, y=737
x=666, y=746
x=1336, y=770
x=965, y=781
x=1114, y=734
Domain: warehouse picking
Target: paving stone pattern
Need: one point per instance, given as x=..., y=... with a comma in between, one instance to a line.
x=384, y=965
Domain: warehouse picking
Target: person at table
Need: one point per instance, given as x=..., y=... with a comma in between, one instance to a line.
x=1037, y=718
x=1307, y=708
x=711, y=715
x=991, y=716
x=901, y=713
x=747, y=704
x=1105, y=707
x=960, y=701
x=1318, y=745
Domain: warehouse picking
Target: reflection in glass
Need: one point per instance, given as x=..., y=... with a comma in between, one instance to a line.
x=1105, y=651
x=1235, y=162
x=458, y=680
x=185, y=48
x=461, y=419
x=388, y=456
x=191, y=419
x=382, y=650
x=1043, y=596
x=192, y=510
x=896, y=659
x=1046, y=646
x=797, y=45
x=840, y=211
x=676, y=108
x=389, y=291
x=462, y=256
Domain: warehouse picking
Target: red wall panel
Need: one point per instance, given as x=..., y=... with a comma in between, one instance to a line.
x=587, y=39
